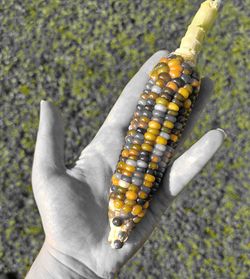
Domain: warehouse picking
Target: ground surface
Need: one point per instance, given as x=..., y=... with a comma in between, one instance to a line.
x=80, y=54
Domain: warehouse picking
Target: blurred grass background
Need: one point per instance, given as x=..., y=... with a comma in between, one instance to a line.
x=80, y=54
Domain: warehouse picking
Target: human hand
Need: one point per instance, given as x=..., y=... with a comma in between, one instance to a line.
x=73, y=203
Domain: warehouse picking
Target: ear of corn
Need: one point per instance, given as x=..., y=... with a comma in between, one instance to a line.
x=154, y=131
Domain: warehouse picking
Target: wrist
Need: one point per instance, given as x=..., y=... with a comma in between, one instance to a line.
x=47, y=265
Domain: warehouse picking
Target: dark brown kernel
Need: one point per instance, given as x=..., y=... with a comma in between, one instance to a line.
x=117, y=221
x=118, y=244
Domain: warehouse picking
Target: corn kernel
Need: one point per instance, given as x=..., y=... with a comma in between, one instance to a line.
x=174, y=137
x=173, y=106
x=172, y=85
x=162, y=101
x=118, y=203
x=149, y=136
x=131, y=195
x=184, y=92
x=147, y=147
x=168, y=124
x=149, y=177
x=142, y=195
x=153, y=131
x=153, y=124
x=161, y=140
x=187, y=104
x=136, y=209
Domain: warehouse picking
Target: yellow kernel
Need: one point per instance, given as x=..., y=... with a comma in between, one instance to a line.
x=147, y=183
x=163, y=69
x=146, y=204
x=133, y=152
x=152, y=166
x=174, y=73
x=187, y=104
x=125, y=153
x=176, y=67
x=129, y=168
x=184, y=92
x=127, y=208
x=129, y=202
x=172, y=85
x=131, y=132
x=127, y=173
x=154, y=124
x=154, y=75
x=142, y=214
x=137, y=220
x=144, y=119
x=118, y=203
x=121, y=165
x=136, y=147
x=173, y=106
x=168, y=124
x=164, y=60
x=149, y=177
x=146, y=147
x=153, y=131
x=173, y=62
x=150, y=142
x=144, y=96
x=161, y=140
x=155, y=158
x=142, y=195
x=160, y=83
x=149, y=136
x=152, y=95
x=173, y=137
x=131, y=195
x=189, y=88
x=115, y=181
x=136, y=209
x=133, y=187
x=195, y=83
x=162, y=101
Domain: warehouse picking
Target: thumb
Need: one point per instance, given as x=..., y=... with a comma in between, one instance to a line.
x=49, y=150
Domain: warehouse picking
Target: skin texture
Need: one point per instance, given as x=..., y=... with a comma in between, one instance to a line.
x=73, y=203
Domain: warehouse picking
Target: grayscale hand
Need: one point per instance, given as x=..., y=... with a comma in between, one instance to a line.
x=73, y=203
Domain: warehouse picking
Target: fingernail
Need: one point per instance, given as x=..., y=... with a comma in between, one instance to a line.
x=223, y=132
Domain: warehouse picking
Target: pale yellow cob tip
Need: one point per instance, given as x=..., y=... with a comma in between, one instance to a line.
x=202, y=22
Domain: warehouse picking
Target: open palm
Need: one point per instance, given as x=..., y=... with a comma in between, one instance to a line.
x=73, y=203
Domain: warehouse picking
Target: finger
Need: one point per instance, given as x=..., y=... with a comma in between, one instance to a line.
x=49, y=150
x=189, y=164
x=205, y=93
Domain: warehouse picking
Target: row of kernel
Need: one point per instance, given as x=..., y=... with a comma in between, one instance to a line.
x=180, y=100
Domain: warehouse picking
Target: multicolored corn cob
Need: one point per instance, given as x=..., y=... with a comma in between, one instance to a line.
x=155, y=129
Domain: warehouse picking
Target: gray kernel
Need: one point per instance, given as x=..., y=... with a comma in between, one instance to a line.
x=139, y=136
x=161, y=147
x=158, y=119
x=170, y=118
x=141, y=164
x=145, y=189
x=157, y=152
x=156, y=89
x=158, y=113
x=165, y=135
x=131, y=162
x=142, y=102
x=137, y=181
